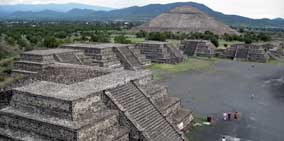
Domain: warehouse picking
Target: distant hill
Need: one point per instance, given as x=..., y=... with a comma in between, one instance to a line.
x=144, y=13
x=52, y=7
x=185, y=19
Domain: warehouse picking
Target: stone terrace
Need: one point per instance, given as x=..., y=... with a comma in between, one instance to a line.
x=160, y=52
x=202, y=48
x=35, y=61
x=247, y=52
x=90, y=109
x=111, y=55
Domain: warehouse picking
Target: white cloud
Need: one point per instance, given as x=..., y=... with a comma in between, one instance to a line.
x=249, y=8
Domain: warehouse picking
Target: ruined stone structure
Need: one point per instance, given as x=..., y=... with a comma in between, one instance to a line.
x=160, y=52
x=185, y=19
x=202, y=48
x=35, y=61
x=75, y=102
x=113, y=55
x=247, y=52
x=274, y=49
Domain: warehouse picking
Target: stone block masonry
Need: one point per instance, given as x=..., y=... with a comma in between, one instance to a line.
x=247, y=52
x=201, y=48
x=160, y=52
x=69, y=101
x=35, y=61
x=115, y=56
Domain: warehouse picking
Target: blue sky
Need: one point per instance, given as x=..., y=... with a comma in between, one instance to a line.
x=248, y=8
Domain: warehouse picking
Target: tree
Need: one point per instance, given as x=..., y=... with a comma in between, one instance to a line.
x=101, y=37
x=24, y=43
x=264, y=37
x=156, y=36
x=141, y=34
x=122, y=40
x=7, y=50
x=215, y=41
x=51, y=42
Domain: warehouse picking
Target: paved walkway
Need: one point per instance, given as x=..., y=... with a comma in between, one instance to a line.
x=228, y=88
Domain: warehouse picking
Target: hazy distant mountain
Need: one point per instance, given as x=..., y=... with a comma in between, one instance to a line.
x=135, y=13
x=53, y=7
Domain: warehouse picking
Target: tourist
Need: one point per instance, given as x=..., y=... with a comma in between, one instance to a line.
x=252, y=96
x=229, y=116
x=223, y=139
x=236, y=115
x=225, y=116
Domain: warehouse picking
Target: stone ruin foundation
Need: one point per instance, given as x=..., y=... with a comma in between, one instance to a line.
x=35, y=61
x=66, y=101
x=161, y=52
x=117, y=56
x=247, y=52
x=201, y=48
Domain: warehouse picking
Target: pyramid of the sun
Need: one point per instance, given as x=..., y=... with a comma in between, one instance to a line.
x=185, y=19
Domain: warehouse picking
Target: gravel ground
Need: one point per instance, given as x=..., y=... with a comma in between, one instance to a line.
x=227, y=87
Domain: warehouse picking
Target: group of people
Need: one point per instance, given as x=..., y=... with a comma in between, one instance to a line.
x=229, y=116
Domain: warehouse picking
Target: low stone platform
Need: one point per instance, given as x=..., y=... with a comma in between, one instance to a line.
x=112, y=55
x=201, y=48
x=32, y=62
x=247, y=52
x=160, y=52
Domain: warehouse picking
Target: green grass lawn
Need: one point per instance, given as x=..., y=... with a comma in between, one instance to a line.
x=223, y=42
x=135, y=40
x=192, y=64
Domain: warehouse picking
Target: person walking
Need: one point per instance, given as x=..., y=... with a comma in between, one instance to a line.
x=236, y=115
x=229, y=116
x=225, y=116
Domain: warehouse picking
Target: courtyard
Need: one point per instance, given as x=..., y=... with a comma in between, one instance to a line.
x=228, y=86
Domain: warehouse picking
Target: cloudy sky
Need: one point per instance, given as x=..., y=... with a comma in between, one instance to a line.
x=248, y=8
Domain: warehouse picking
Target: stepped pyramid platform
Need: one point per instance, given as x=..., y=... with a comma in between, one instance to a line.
x=80, y=103
x=201, y=48
x=68, y=100
x=113, y=55
x=185, y=19
x=247, y=52
x=32, y=62
x=160, y=52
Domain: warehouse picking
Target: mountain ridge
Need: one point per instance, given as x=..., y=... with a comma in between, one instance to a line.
x=54, y=7
x=146, y=13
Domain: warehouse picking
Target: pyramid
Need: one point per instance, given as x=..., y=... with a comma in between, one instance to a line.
x=185, y=19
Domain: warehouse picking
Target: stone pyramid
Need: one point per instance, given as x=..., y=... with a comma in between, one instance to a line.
x=185, y=19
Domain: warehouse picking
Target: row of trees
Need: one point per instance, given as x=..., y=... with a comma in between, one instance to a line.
x=247, y=37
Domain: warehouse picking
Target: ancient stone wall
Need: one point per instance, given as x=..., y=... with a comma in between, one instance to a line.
x=201, y=48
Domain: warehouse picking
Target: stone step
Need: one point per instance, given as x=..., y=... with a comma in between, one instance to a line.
x=117, y=133
x=24, y=72
x=53, y=127
x=13, y=134
x=182, y=117
x=143, y=111
x=168, y=104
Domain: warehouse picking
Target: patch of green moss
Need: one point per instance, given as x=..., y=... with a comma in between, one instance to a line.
x=192, y=64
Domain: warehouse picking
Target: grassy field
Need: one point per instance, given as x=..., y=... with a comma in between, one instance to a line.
x=192, y=64
x=222, y=43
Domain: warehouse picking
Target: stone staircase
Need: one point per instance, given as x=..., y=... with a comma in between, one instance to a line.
x=68, y=58
x=175, y=54
x=168, y=106
x=130, y=58
x=142, y=112
x=142, y=58
x=274, y=55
